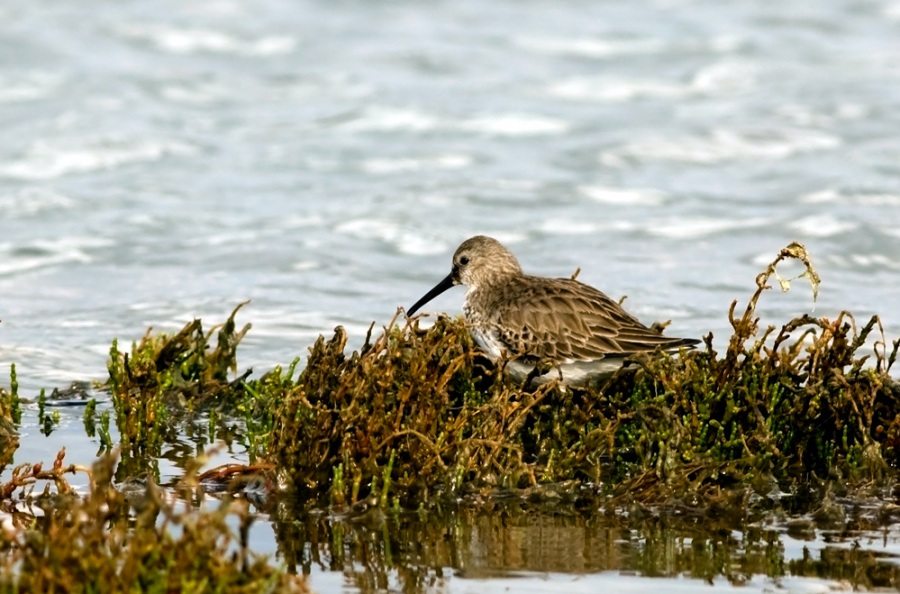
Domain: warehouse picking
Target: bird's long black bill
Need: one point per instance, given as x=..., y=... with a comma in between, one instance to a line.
x=437, y=290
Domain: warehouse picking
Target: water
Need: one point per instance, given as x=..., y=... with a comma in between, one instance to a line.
x=167, y=160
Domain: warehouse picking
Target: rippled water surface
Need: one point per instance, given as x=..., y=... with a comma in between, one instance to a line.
x=167, y=160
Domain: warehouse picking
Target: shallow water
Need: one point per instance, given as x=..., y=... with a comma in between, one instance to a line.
x=535, y=548
x=168, y=160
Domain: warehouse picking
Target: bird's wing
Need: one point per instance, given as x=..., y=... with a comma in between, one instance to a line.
x=564, y=320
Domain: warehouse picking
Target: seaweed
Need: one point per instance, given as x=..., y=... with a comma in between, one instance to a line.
x=116, y=540
x=159, y=389
x=10, y=417
x=416, y=415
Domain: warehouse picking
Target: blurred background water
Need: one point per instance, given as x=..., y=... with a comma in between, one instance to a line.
x=166, y=160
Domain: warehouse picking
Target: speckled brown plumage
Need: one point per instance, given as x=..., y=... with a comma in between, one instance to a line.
x=528, y=319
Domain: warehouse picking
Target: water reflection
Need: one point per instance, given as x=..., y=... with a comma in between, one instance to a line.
x=426, y=551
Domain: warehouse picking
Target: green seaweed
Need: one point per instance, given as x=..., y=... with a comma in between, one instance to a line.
x=159, y=388
x=47, y=421
x=113, y=540
x=10, y=418
x=424, y=415
x=259, y=406
x=12, y=407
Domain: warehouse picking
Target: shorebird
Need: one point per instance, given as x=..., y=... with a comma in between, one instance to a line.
x=565, y=328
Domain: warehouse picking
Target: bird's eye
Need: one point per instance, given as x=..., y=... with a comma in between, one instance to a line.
x=463, y=260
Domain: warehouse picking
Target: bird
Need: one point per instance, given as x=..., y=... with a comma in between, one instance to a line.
x=544, y=328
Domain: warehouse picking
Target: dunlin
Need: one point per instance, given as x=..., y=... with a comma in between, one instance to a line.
x=561, y=324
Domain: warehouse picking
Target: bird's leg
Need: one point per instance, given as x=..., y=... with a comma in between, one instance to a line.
x=541, y=367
